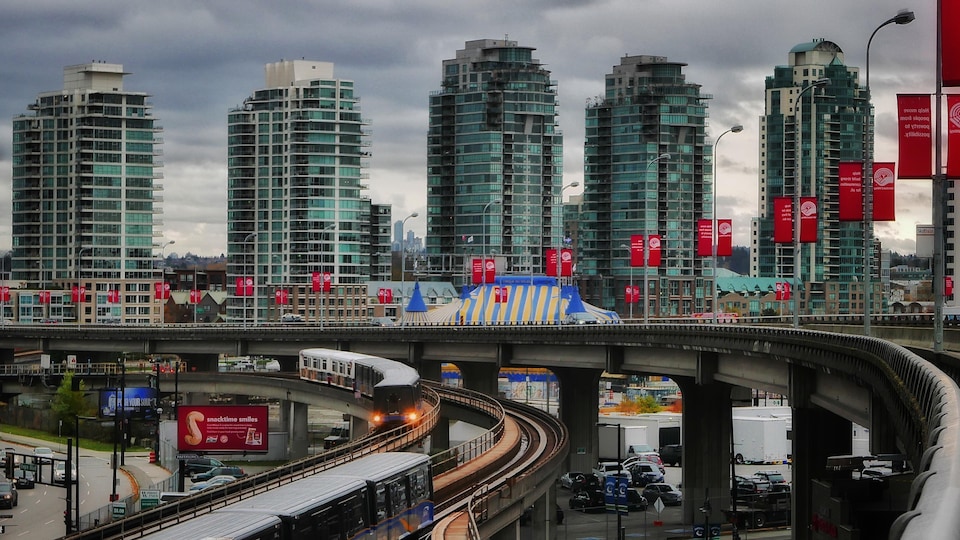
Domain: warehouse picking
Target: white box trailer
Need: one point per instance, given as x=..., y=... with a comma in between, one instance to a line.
x=608, y=439
x=662, y=428
x=760, y=440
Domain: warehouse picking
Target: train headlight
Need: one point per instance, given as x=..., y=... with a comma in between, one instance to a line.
x=377, y=419
x=411, y=417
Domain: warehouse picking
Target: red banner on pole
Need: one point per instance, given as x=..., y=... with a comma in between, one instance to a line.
x=282, y=296
x=44, y=297
x=239, y=289
x=724, y=237
x=4, y=294
x=783, y=290
x=501, y=295
x=315, y=282
x=636, y=250
x=628, y=294
x=195, y=296
x=953, y=136
x=783, y=220
x=916, y=135
x=851, y=191
x=704, y=237
x=551, y=263
x=884, y=196
x=566, y=262
x=808, y=219
x=161, y=290
x=489, y=270
x=476, y=269
x=113, y=296
x=78, y=294
x=385, y=295
x=948, y=285
x=949, y=43
x=654, y=258
x=327, y=281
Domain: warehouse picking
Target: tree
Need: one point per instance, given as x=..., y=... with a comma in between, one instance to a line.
x=69, y=402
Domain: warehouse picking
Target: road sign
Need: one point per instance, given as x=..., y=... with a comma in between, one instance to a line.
x=149, y=498
x=187, y=456
x=118, y=510
x=658, y=505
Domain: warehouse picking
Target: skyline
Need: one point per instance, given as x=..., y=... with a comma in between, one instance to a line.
x=197, y=62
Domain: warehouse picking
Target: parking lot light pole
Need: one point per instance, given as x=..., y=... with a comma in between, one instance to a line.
x=621, y=533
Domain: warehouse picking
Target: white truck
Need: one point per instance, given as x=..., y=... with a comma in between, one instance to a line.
x=608, y=437
x=339, y=434
x=760, y=440
x=662, y=428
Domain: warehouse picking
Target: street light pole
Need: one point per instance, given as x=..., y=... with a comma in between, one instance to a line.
x=483, y=256
x=246, y=250
x=715, y=234
x=323, y=295
x=162, y=280
x=630, y=264
x=798, y=159
x=403, y=265
x=619, y=478
x=646, y=243
x=560, y=245
x=79, y=295
x=903, y=17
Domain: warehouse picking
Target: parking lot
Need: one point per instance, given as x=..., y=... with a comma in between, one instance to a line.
x=650, y=524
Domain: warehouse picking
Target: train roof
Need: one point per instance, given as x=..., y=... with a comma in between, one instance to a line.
x=376, y=467
x=394, y=373
x=219, y=525
x=290, y=499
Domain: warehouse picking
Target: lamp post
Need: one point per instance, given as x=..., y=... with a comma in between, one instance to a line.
x=246, y=250
x=163, y=246
x=617, y=498
x=483, y=253
x=798, y=158
x=560, y=245
x=629, y=263
x=715, y=234
x=902, y=17
x=79, y=295
x=323, y=297
x=403, y=263
x=646, y=244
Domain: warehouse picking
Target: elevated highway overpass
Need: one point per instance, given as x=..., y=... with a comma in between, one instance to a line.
x=911, y=405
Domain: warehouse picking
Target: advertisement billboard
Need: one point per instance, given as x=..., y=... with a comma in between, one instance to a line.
x=137, y=401
x=222, y=428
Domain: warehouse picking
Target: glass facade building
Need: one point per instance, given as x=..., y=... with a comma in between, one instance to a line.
x=648, y=109
x=831, y=129
x=86, y=199
x=494, y=161
x=297, y=153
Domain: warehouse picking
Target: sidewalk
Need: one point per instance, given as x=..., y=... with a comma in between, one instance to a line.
x=137, y=469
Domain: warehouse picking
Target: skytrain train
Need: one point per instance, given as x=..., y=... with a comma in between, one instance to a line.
x=386, y=496
x=393, y=386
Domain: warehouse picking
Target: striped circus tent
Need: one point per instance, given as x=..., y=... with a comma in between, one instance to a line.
x=515, y=300
x=415, y=311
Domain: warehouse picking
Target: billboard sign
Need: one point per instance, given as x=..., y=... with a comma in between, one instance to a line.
x=137, y=401
x=222, y=428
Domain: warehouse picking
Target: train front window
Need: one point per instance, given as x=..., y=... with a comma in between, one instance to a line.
x=393, y=403
x=418, y=486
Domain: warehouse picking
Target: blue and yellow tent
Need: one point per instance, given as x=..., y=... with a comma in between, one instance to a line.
x=522, y=300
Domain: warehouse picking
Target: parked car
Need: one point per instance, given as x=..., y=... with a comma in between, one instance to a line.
x=60, y=472
x=672, y=454
x=576, y=480
x=605, y=468
x=775, y=479
x=644, y=473
x=8, y=494
x=588, y=500
x=172, y=496
x=665, y=492
x=201, y=465
x=235, y=472
x=382, y=321
x=292, y=318
x=644, y=452
x=581, y=317
x=635, y=500
x=747, y=489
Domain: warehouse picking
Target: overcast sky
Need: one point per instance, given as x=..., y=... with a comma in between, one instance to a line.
x=198, y=59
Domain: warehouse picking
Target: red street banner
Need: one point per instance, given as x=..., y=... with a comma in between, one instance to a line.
x=489, y=270
x=4, y=294
x=327, y=281
x=501, y=295
x=884, y=197
x=385, y=295
x=953, y=136
x=244, y=286
x=916, y=135
x=653, y=259
x=195, y=296
x=78, y=294
x=704, y=237
x=222, y=428
x=44, y=297
x=636, y=250
x=808, y=219
x=240, y=289
x=783, y=290
x=161, y=290
x=631, y=294
x=851, y=191
x=947, y=286
x=949, y=43
x=724, y=237
x=476, y=270
x=315, y=282
x=113, y=296
x=551, y=269
x=566, y=262
x=282, y=296
x=783, y=220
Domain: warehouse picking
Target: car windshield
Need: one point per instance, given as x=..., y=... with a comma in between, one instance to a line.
x=42, y=451
x=775, y=477
x=6, y=488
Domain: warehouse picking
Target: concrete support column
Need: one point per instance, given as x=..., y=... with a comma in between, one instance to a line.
x=285, y=414
x=440, y=436
x=358, y=427
x=817, y=434
x=883, y=438
x=579, y=407
x=706, y=434
x=480, y=377
x=195, y=398
x=299, y=434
